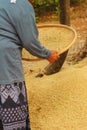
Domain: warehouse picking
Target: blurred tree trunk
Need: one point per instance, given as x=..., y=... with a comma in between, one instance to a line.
x=64, y=12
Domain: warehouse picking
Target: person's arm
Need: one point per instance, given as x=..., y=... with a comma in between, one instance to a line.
x=28, y=33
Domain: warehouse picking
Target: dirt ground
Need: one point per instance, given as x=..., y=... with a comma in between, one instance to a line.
x=59, y=101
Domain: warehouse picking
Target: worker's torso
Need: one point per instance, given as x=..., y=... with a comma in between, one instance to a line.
x=10, y=46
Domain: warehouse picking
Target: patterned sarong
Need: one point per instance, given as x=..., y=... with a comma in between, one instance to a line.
x=14, y=107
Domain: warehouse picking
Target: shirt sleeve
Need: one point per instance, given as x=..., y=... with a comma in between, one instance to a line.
x=28, y=32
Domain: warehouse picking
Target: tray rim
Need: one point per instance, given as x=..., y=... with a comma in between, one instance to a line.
x=55, y=25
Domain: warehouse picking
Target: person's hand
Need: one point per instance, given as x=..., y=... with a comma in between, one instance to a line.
x=54, y=56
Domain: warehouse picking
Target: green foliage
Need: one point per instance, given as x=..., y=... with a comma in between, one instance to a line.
x=44, y=6
x=37, y=3
x=44, y=2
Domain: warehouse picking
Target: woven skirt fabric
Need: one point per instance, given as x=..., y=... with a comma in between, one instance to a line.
x=14, y=107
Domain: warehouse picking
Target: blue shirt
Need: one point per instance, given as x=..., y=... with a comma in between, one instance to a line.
x=17, y=30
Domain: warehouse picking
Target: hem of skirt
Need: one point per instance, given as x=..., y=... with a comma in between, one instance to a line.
x=12, y=81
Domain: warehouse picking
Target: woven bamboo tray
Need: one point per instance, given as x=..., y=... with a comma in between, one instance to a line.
x=54, y=37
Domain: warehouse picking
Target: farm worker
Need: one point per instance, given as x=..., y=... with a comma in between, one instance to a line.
x=17, y=30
